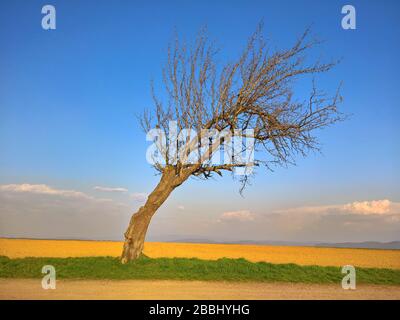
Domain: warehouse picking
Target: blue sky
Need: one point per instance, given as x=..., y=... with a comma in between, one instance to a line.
x=68, y=100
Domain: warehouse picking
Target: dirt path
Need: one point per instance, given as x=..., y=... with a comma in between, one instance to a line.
x=166, y=289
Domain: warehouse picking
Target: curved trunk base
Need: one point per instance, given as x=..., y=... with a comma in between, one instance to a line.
x=135, y=235
x=136, y=232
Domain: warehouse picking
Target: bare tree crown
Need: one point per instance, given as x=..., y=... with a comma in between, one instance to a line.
x=255, y=92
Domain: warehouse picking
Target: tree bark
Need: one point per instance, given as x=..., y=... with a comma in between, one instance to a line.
x=138, y=225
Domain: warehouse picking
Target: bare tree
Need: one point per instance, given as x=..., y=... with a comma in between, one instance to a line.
x=255, y=93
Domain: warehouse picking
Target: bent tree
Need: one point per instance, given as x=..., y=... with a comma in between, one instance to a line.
x=209, y=105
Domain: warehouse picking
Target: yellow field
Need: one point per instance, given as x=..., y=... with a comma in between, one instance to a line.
x=17, y=248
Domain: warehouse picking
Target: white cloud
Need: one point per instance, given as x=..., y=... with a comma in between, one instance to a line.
x=139, y=196
x=355, y=221
x=379, y=207
x=306, y=210
x=241, y=215
x=38, y=210
x=110, y=189
x=370, y=207
x=41, y=189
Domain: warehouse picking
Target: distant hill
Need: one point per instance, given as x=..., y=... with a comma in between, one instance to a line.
x=255, y=242
x=363, y=245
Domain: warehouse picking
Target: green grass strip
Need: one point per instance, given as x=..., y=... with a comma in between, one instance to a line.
x=188, y=269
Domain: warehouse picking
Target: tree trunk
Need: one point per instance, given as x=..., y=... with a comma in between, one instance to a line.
x=136, y=232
